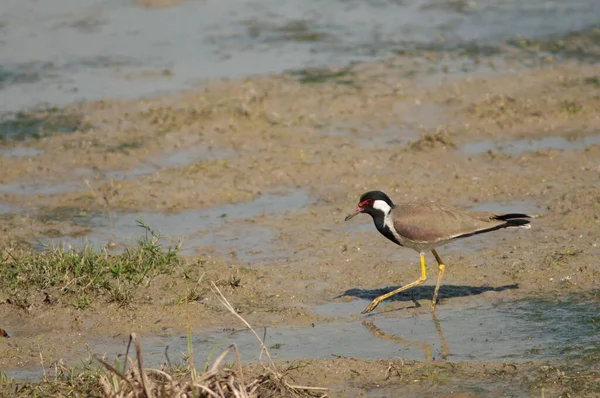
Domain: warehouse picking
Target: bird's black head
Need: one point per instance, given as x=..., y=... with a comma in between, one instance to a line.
x=375, y=203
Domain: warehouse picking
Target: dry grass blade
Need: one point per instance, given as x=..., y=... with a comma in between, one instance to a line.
x=127, y=353
x=110, y=386
x=207, y=390
x=238, y=364
x=161, y=372
x=143, y=376
x=217, y=363
x=230, y=308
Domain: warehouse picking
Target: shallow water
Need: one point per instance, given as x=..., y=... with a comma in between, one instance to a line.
x=40, y=188
x=221, y=229
x=7, y=209
x=515, y=332
x=516, y=147
x=57, y=52
x=167, y=160
x=20, y=151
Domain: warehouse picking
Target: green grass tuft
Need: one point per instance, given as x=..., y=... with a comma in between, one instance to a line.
x=60, y=381
x=86, y=274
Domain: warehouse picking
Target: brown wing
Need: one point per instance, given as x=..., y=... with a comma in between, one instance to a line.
x=431, y=222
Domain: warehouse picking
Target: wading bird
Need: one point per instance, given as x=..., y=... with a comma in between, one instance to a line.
x=425, y=225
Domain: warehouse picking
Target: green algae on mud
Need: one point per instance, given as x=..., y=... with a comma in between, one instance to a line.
x=322, y=75
x=583, y=45
x=40, y=123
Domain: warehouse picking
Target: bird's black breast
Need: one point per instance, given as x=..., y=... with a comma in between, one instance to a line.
x=385, y=230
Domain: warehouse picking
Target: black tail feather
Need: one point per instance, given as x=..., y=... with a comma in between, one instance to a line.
x=510, y=223
x=505, y=217
x=516, y=223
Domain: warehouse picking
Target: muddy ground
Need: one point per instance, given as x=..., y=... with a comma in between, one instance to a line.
x=513, y=139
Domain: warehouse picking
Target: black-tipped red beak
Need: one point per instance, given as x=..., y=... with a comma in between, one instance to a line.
x=354, y=212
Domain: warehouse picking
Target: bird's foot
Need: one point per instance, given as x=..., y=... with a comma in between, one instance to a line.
x=370, y=307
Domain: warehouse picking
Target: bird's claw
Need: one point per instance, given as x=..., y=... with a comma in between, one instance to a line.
x=370, y=307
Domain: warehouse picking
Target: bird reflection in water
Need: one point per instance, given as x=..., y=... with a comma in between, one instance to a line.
x=412, y=343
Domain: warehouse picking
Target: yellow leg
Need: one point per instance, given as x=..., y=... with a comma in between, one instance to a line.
x=441, y=268
x=418, y=282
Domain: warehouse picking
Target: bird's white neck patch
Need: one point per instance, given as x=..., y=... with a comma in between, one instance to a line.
x=383, y=206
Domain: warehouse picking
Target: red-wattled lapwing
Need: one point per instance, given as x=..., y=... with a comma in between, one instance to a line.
x=424, y=225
